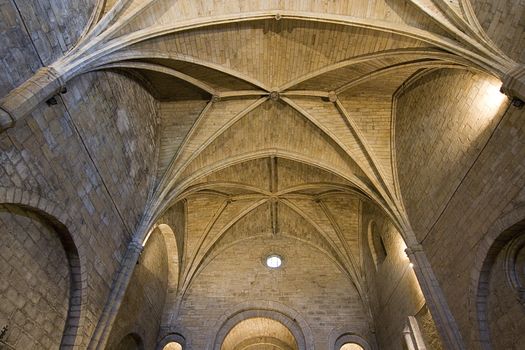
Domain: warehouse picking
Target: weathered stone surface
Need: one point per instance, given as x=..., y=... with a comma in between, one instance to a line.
x=332, y=134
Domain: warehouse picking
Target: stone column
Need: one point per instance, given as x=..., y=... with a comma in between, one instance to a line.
x=408, y=338
x=23, y=100
x=445, y=322
x=100, y=336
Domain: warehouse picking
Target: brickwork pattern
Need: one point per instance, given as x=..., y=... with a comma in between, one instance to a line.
x=504, y=310
x=34, y=280
x=95, y=154
x=490, y=191
x=433, y=151
x=61, y=154
x=141, y=309
x=324, y=297
x=393, y=289
x=503, y=22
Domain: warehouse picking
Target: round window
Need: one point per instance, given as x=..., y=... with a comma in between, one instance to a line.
x=274, y=261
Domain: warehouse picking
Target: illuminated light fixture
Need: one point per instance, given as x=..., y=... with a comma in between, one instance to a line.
x=274, y=261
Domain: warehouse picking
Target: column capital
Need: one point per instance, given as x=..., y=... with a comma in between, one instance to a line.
x=135, y=245
x=6, y=120
x=21, y=101
x=415, y=248
x=514, y=82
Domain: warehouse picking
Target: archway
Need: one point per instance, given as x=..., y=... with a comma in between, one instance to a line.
x=349, y=341
x=131, y=341
x=351, y=346
x=259, y=333
x=50, y=258
x=296, y=326
x=173, y=341
x=500, y=295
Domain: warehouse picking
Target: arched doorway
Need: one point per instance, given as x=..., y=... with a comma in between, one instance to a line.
x=259, y=333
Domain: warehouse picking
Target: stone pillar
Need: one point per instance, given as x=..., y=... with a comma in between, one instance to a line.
x=100, y=336
x=445, y=322
x=514, y=83
x=408, y=338
x=23, y=100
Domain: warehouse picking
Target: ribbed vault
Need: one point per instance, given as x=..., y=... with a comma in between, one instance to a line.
x=276, y=120
x=271, y=198
x=279, y=120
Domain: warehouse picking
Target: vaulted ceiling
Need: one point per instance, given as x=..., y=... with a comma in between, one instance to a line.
x=277, y=117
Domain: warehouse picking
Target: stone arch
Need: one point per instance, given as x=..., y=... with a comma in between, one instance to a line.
x=59, y=219
x=266, y=309
x=172, y=337
x=347, y=338
x=343, y=335
x=272, y=341
x=501, y=233
x=131, y=341
x=173, y=271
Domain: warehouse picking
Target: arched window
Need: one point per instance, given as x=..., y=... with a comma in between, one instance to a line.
x=376, y=244
x=172, y=341
x=172, y=346
x=350, y=341
x=131, y=341
x=260, y=332
x=351, y=346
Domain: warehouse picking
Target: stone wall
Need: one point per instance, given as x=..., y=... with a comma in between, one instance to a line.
x=49, y=154
x=442, y=123
x=116, y=122
x=308, y=283
x=34, y=280
x=504, y=309
x=36, y=33
x=141, y=309
x=482, y=193
x=88, y=154
x=504, y=23
x=393, y=288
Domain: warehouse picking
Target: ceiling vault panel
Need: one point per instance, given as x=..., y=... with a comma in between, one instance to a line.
x=276, y=120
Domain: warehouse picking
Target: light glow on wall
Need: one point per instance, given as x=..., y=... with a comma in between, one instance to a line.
x=494, y=98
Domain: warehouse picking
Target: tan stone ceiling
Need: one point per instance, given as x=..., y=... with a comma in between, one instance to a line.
x=279, y=113
x=275, y=117
x=259, y=333
x=283, y=199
